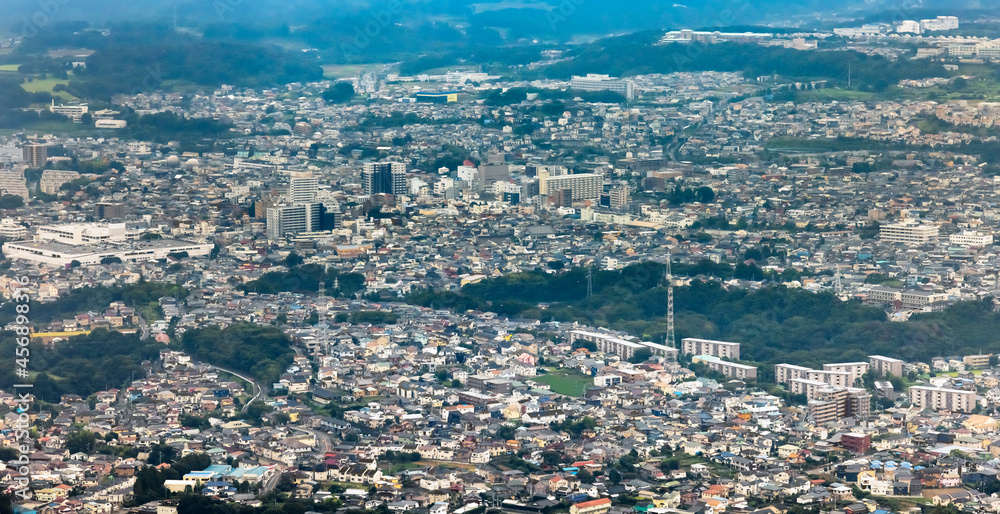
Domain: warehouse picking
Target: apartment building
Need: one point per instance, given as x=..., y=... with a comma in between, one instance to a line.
x=729, y=369
x=855, y=369
x=908, y=231
x=886, y=365
x=723, y=349
x=940, y=398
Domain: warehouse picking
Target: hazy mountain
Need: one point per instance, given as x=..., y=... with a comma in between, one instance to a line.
x=514, y=18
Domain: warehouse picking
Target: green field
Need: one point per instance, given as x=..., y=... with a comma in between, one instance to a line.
x=9, y=67
x=65, y=129
x=46, y=85
x=834, y=94
x=565, y=381
x=339, y=71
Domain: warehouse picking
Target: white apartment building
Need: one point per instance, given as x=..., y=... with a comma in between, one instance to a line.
x=722, y=349
x=855, y=369
x=584, y=186
x=52, y=180
x=886, y=365
x=595, y=82
x=940, y=398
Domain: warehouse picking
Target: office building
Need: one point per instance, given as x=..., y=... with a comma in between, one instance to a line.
x=940, y=398
x=886, y=365
x=35, y=155
x=908, y=231
x=52, y=180
x=722, y=349
x=971, y=238
x=73, y=112
x=384, y=177
x=583, y=186
x=109, y=211
x=594, y=82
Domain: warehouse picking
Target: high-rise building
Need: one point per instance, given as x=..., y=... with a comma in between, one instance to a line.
x=292, y=219
x=13, y=183
x=939, y=398
x=109, y=211
x=302, y=187
x=384, y=177
x=584, y=186
x=35, y=155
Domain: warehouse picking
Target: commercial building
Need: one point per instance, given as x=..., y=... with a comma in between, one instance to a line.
x=52, y=180
x=582, y=186
x=886, y=365
x=90, y=233
x=909, y=232
x=594, y=82
x=940, y=23
x=61, y=254
x=444, y=97
x=940, y=398
x=35, y=155
x=384, y=177
x=722, y=349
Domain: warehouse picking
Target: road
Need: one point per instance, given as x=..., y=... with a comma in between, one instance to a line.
x=259, y=390
x=323, y=441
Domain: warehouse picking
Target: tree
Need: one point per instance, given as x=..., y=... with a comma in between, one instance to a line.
x=111, y=260
x=615, y=477
x=340, y=93
x=293, y=260
x=11, y=202
x=705, y=194
x=641, y=355
x=75, y=263
x=83, y=441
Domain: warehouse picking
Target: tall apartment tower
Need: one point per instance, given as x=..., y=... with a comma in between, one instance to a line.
x=35, y=155
x=384, y=177
x=303, y=187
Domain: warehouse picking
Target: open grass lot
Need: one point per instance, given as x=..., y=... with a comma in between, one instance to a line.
x=565, y=381
x=338, y=71
x=64, y=129
x=9, y=67
x=46, y=85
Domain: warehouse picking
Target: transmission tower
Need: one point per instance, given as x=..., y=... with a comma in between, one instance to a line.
x=838, y=286
x=670, y=305
x=590, y=281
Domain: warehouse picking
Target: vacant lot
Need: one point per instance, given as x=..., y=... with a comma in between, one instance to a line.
x=565, y=381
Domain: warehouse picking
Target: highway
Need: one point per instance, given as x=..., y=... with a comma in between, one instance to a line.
x=323, y=441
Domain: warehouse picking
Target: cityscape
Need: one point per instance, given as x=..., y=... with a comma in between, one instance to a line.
x=335, y=256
